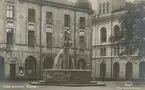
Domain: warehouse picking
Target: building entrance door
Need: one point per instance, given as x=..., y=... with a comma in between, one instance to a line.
x=12, y=71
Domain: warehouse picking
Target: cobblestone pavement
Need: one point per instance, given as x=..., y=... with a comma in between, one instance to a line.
x=24, y=85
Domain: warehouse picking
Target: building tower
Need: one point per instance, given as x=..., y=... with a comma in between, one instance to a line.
x=138, y=1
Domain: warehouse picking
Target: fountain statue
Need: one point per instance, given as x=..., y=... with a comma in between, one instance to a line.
x=66, y=43
x=64, y=69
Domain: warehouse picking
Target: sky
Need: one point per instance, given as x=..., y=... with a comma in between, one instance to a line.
x=130, y=0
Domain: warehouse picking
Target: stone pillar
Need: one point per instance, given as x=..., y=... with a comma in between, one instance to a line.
x=108, y=69
x=93, y=69
x=122, y=70
x=7, y=70
x=97, y=69
x=135, y=71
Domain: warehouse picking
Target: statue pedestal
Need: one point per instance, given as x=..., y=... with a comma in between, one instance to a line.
x=50, y=75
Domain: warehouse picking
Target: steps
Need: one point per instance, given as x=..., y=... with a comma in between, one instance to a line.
x=72, y=84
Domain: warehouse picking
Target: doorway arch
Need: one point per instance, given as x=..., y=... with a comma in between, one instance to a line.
x=128, y=70
x=102, y=70
x=48, y=63
x=116, y=69
x=30, y=66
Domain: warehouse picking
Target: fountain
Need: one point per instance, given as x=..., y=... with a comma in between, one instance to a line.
x=64, y=70
x=56, y=60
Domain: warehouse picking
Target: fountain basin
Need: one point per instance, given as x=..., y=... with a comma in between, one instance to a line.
x=64, y=76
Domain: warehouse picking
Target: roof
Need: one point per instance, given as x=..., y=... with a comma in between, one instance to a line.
x=84, y=4
x=65, y=2
x=61, y=3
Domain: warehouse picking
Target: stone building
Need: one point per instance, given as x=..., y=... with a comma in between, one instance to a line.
x=106, y=64
x=30, y=35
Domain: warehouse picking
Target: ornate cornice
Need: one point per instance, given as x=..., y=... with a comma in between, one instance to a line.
x=60, y=5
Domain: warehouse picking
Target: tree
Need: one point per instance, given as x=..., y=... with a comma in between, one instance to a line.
x=132, y=26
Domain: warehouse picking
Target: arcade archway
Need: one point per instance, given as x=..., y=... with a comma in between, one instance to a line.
x=116, y=70
x=30, y=66
x=102, y=70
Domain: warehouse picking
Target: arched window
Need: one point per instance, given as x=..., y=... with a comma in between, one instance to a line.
x=108, y=6
x=103, y=35
x=117, y=33
x=103, y=7
x=30, y=66
x=100, y=8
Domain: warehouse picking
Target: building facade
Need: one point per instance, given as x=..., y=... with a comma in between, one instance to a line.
x=106, y=63
x=30, y=35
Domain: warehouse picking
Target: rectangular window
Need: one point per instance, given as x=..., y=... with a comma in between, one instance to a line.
x=49, y=40
x=10, y=11
x=31, y=15
x=10, y=36
x=67, y=20
x=82, y=22
x=49, y=18
x=82, y=42
x=103, y=52
x=31, y=38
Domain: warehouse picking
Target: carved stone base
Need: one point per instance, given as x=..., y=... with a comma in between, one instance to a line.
x=67, y=75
